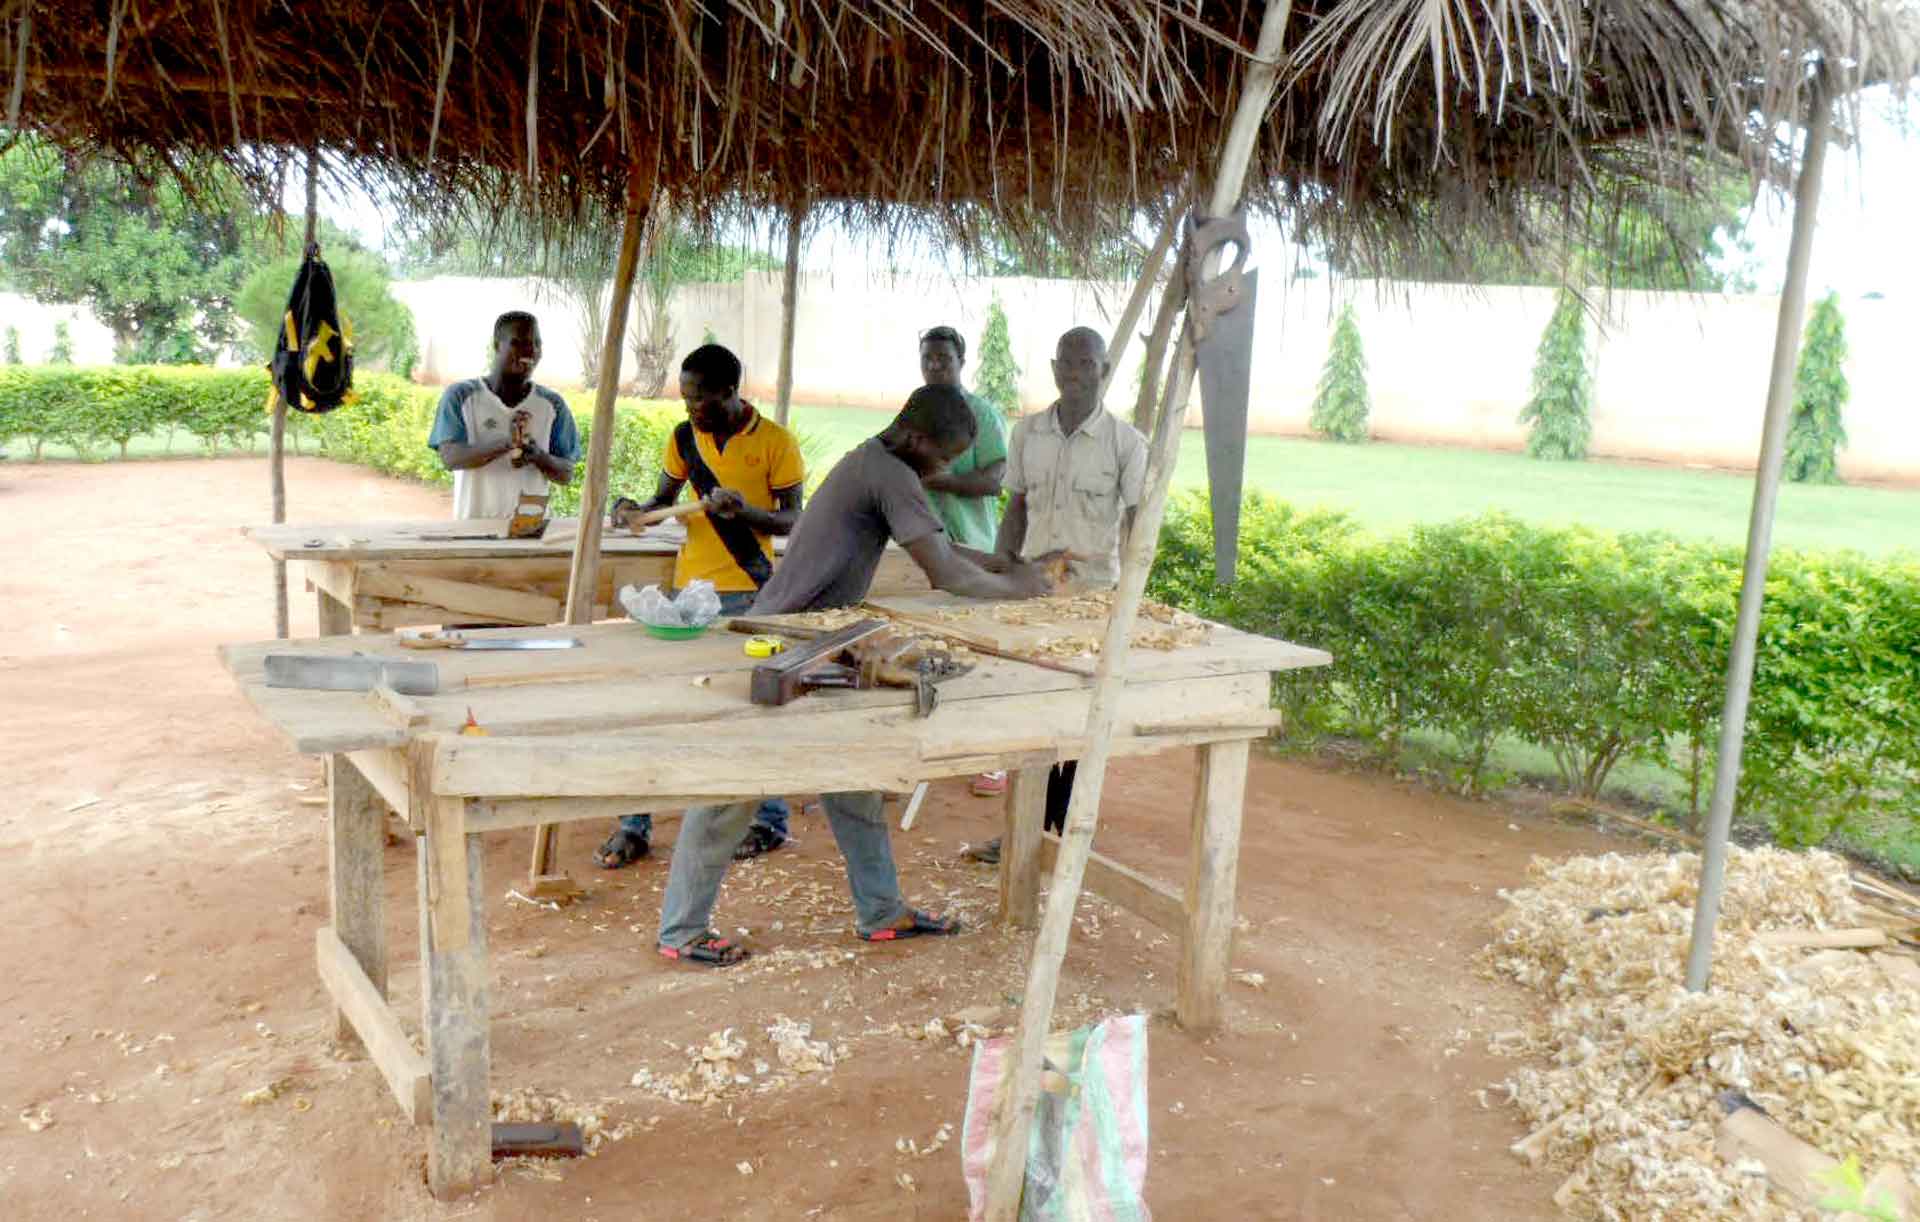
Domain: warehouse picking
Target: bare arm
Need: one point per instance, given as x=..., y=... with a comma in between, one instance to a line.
x=1013, y=527
x=557, y=470
x=982, y=481
x=726, y=503
x=948, y=570
x=458, y=456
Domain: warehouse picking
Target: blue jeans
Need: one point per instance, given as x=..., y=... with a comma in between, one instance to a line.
x=773, y=812
x=705, y=850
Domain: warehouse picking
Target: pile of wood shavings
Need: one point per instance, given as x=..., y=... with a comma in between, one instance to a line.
x=721, y=1069
x=1627, y=1098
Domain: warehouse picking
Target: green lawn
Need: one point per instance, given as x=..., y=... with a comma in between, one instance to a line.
x=1392, y=486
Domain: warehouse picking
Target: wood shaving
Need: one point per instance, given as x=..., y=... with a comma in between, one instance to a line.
x=1628, y=1063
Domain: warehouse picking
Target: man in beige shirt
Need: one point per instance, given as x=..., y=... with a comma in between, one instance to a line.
x=1075, y=474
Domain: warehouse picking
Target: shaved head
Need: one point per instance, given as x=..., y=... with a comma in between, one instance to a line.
x=1082, y=341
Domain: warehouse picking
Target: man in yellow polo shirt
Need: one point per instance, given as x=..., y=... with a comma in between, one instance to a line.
x=749, y=473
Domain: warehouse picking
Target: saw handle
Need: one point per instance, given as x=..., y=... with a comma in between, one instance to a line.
x=653, y=517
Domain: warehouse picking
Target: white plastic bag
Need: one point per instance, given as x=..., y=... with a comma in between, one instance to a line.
x=694, y=607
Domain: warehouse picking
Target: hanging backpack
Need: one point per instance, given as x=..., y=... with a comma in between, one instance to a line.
x=313, y=356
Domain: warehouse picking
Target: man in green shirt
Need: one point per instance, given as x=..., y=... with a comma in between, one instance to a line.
x=966, y=496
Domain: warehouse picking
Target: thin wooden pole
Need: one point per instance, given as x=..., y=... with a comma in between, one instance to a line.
x=1753, y=584
x=789, y=307
x=1172, y=301
x=584, y=574
x=277, y=438
x=1142, y=288
x=1019, y=1091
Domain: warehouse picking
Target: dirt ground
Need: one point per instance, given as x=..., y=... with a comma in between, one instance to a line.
x=164, y=859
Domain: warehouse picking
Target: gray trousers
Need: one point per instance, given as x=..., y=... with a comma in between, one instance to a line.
x=709, y=834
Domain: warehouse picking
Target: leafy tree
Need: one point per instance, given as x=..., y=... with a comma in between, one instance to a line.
x=383, y=333
x=998, y=381
x=156, y=264
x=1667, y=242
x=1340, y=409
x=13, y=345
x=1820, y=393
x=62, y=351
x=1559, y=414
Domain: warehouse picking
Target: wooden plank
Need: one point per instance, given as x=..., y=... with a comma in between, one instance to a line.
x=1212, y=872
x=1020, y=848
x=403, y=711
x=687, y=682
x=455, y=972
x=356, y=891
x=466, y=599
x=431, y=539
x=1800, y=1171
x=810, y=752
x=365, y=1008
x=507, y=814
x=386, y=772
x=331, y=577
x=1151, y=900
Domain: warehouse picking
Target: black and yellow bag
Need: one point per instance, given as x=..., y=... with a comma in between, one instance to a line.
x=313, y=356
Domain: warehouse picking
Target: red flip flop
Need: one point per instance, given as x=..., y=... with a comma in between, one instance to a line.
x=923, y=924
x=708, y=950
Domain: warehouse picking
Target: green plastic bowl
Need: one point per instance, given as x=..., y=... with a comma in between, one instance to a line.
x=666, y=633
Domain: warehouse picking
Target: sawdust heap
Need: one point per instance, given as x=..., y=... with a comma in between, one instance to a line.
x=1829, y=1046
x=718, y=1069
x=1157, y=627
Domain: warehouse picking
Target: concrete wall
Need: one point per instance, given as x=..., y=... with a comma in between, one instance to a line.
x=92, y=340
x=1678, y=378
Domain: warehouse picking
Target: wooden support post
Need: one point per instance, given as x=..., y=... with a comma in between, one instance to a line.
x=454, y=984
x=1020, y=1088
x=1020, y=847
x=1142, y=289
x=585, y=571
x=277, y=437
x=357, y=891
x=1213, y=864
x=789, y=308
x=335, y=617
x=1766, y=491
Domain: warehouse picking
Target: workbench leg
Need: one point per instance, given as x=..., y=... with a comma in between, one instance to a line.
x=453, y=910
x=357, y=893
x=1212, y=867
x=335, y=617
x=546, y=850
x=1020, y=847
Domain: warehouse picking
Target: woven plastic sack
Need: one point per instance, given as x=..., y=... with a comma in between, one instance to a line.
x=1087, y=1149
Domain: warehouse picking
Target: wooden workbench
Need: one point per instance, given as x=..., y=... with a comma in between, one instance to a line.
x=379, y=576
x=615, y=727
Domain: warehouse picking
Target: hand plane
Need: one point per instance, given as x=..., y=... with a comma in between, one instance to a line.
x=865, y=655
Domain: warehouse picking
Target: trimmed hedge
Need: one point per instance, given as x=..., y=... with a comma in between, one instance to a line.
x=385, y=426
x=1596, y=647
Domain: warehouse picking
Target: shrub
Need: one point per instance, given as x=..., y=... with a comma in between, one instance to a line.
x=998, y=381
x=1559, y=416
x=1340, y=409
x=1595, y=647
x=13, y=346
x=1815, y=434
x=62, y=351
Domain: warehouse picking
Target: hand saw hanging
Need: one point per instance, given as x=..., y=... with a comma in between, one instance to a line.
x=1220, y=311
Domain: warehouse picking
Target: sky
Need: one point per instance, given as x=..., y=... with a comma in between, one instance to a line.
x=1865, y=240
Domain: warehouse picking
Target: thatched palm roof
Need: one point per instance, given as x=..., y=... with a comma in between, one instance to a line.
x=1054, y=114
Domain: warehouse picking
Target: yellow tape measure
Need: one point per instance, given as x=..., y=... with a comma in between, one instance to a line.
x=764, y=646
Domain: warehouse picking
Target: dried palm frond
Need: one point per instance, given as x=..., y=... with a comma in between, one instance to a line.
x=1398, y=122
